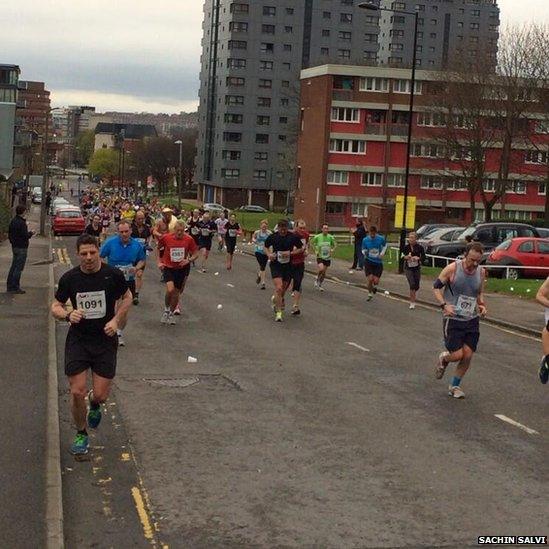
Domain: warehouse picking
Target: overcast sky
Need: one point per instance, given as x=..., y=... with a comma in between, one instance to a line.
x=130, y=55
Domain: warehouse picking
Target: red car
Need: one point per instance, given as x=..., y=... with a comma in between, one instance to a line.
x=532, y=253
x=69, y=221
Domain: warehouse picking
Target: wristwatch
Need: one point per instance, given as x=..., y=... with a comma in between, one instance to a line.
x=442, y=305
x=68, y=317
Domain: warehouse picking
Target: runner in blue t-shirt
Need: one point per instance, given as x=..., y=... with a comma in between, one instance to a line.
x=373, y=249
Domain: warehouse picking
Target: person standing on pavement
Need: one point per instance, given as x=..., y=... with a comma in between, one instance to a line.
x=19, y=236
x=459, y=290
x=93, y=289
x=413, y=257
x=543, y=298
x=373, y=249
x=359, y=232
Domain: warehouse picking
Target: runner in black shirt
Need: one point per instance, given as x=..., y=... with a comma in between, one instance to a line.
x=207, y=229
x=94, y=228
x=232, y=229
x=280, y=246
x=414, y=255
x=142, y=233
x=93, y=289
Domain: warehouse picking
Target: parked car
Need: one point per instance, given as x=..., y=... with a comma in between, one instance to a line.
x=543, y=232
x=36, y=195
x=252, y=208
x=520, y=252
x=448, y=234
x=214, y=208
x=68, y=221
x=66, y=206
x=429, y=228
x=489, y=235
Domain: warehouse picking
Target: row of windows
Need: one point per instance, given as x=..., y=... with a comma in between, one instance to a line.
x=8, y=95
x=348, y=146
x=260, y=156
x=242, y=26
x=375, y=84
x=238, y=81
x=264, y=47
x=238, y=100
x=260, y=138
x=369, y=179
x=261, y=175
x=234, y=63
x=268, y=11
x=261, y=120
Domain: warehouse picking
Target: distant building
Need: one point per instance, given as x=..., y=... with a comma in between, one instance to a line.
x=165, y=124
x=9, y=77
x=108, y=136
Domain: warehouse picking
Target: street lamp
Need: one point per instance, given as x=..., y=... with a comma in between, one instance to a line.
x=372, y=7
x=180, y=180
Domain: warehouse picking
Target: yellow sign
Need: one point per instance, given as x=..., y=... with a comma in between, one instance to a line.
x=410, y=212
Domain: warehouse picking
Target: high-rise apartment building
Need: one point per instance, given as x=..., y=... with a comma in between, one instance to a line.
x=9, y=76
x=252, y=55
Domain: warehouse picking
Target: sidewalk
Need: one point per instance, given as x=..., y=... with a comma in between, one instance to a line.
x=23, y=406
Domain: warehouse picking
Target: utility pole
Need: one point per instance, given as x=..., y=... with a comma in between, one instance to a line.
x=43, y=211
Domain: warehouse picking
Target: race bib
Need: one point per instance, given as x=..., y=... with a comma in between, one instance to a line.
x=325, y=251
x=283, y=257
x=94, y=304
x=177, y=254
x=373, y=252
x=259, y=247
x=304, y=242
x=205, y=232
x=232, y=233
x=466, y=306
x=125, y=270
x=194, y=230
x=141, y=241
x=413, y=263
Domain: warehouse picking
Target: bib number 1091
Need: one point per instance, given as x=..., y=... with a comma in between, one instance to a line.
x=92, y=303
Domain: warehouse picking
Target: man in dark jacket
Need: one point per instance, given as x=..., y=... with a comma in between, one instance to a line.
x=359, y=232
x=19, y=236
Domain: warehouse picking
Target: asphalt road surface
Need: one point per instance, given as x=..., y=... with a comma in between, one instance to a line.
x=327, y=430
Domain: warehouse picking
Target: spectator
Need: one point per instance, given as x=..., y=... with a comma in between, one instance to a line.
x=19, y=236
x=359, y=232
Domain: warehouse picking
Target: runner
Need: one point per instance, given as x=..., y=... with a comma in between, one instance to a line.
x=207, y=230
x=94, y=289
x=221, y=223
x=459, y=289
x=543, y=298
x=298, y=264
x=178, y=250
x=414, y=255
x=105, y=224
x=232, y=232
x=94, y=228
x=373, y=249
x=280, y=247
x=192, y=226
x=323, y=244
x=142, y=233
x=259, y=237
x=166, y=224
x=128, y=255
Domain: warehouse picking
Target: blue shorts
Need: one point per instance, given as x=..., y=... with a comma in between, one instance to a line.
x=458, y=333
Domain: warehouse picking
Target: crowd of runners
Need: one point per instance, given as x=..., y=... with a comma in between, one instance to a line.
x=123, y=237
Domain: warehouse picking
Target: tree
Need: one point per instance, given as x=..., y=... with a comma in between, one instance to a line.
x=158, y=157
x=85, y=142
x=189, y=137
x=104, y=163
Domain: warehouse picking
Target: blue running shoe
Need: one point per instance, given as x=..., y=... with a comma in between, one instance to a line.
x=80, y=445
x=544, y=371
x=94, y=417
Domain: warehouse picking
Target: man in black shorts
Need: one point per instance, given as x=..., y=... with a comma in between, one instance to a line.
x=93, y=289
x=207, y=229
x=280, y=247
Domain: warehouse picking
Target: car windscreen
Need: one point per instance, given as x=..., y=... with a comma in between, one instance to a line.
x=69, y=214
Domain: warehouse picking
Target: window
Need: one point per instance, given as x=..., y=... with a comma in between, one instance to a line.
x=260, y=174
x=395, y=180
x=420, y=34
x=337, y=178
x=395, y=60
x=370, y=38
x=263, y=101
x=232, y=137
x=287, y=66
x=237, y=45
x=349, y=146
x=235, y=81
x=489, y=185
x=541, y=188
x=517, y=187
x=493, y=28
x=420, y=7
x=268, y=29
x=475, y=13
x=261, y=156
x=285, y=83
x=266, y=48
x=230, y=173
x=262, y=138
x=435, y=119
x=396, y=32
x=324, y=51
x=325, y=33
x=282, y=137
x=288, y=29
x=474, y=26
x=236, y=63
x=344, y=54
x=265, y=83
x=231, y=155
x=527, y=247
x=372, y=179
x=403, y=86
x=398, y=6
x=427, y=151
x=398, y=19
x=432, y=35
x=372, y=20
x=431, y=182
x=543, y=247
x=346, y=18
x=344, y=35
x=238, y=26
x=282, y=119
x=234, y=100
x=237, y=7
x=263, y=120
x=287, y=47
x=374, y=84
x=233, y=118
x=335, y=208
x=266, y=65
x=396, y=47
x=284, y=102
x=326, y=15
x=433, y=21
x=269, y=11
x=537, y=157
x=345, y=114
x=289, y=11
x=358, y=209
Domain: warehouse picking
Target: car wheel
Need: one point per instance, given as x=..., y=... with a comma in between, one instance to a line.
x=512, y=274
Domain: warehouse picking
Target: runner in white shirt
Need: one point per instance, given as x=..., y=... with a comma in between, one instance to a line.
x=543, y=298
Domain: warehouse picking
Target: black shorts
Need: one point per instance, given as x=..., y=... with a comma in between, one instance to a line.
x=230, y=242
x=374, y=269
x=177, y=276
x=320, y=261
x=283, y=271
x=131, y=286
x=458, y=333
x=262, y=259
x=196, y=238
x=205, y=244
x=413, y=276
x=84, y=352
x=298, y=272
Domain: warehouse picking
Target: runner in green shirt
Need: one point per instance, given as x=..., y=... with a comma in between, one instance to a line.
x=323, y=244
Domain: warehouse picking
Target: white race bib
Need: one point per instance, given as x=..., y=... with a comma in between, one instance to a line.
x=413, y=263
x=232, y=233
x=177, y=254
x=325, y=251
x=94, y=304
x=205, y=232
x=141, y=241
x=283, y=257
x=125, y=270
x=373, y=252
x=194, y=230
x=466, y=306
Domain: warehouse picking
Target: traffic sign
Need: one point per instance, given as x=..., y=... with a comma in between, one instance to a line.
x=410, y=212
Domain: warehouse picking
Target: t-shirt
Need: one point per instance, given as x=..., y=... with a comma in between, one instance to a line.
x=221, y=225
x=174, y=250
x=95, y=294
x=206, y=231
x=260, y=237
x=232, y=230
x=416, y=251
x=128, y=215
x=94, y=232
x=123, y=256
x=303, y=236
x=142, y=234
x=193, y=228
x=323, y=245
x=282, y=246
x=372, y=248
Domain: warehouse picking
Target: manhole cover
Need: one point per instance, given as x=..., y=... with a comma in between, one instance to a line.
x=174, y=382
x=207, y=381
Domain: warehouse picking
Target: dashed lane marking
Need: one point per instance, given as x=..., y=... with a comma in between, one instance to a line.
x=517, y=424
x=357, y=346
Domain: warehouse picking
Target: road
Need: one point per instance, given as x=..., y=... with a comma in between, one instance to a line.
x=328, y=430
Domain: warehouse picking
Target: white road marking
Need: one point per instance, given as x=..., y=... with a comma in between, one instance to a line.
x=516, y=424
x=352, y=344
x=230, y=285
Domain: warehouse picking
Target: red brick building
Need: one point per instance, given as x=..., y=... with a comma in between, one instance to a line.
x=352, y=153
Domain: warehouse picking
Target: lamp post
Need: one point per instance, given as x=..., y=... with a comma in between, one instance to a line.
x=373, y=7
x=180, y=179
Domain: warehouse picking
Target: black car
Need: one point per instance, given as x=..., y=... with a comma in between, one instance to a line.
x=489, y=235
x=429, y=228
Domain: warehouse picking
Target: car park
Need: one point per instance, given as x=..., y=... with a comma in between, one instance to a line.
x=447, y=234
x=523, y=257
x=68, y=221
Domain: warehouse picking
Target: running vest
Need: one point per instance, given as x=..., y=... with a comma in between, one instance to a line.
x=462, y=293
x=260, y=238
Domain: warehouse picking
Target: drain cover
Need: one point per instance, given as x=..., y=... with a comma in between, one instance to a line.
x=174, y=382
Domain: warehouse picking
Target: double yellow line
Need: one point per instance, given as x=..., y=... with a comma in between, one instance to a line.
x=63, y=256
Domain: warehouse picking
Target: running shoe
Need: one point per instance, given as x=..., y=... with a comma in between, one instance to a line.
x=316, y=285
x=172, y=320
x=203, y=270
x=80, y=444
x=94, y=417
x=456, y=392
x=544, y=371
x=321, y=287
x=295, y=311
x=278, y=317
x=121, y=341
x=273, y=303
x=412, y=306
x=441, y=365
x=136, y=300
x=257, y=279
x=370, y=296
x=374, y=289
x=177, y=311
x=262, y=287
x=165, y=317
